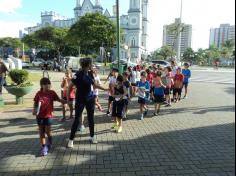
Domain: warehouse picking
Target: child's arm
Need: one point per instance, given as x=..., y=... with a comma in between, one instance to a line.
x=97, y=86
x=162, y=85
x=35, y=109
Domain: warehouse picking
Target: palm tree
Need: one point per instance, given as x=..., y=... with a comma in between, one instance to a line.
x=228, y=48
x=175, y=29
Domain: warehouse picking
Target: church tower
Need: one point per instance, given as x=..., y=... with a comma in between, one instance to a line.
x=98, y=7
x=135, y=29
x=144, y=24
x=78, y=10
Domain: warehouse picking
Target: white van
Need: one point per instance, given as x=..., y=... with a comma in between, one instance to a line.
x=73, y=63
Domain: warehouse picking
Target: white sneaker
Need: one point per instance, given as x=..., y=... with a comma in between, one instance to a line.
x=93, y=140
x=82, y=129
x=70, y=144
x=142, y=117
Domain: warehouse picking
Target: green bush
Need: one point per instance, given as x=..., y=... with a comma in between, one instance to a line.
x=19, y=76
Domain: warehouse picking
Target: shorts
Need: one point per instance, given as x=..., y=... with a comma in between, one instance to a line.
x=118, y=109
x=159, y=98
x=111, y=98
x=44, y=121
x=142, y=101
x=71, y=100
x=186, y=84
x=177, y=91
x=133, y=84
x=167, y=91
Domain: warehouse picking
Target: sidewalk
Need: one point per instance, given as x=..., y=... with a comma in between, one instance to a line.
x=193, y=138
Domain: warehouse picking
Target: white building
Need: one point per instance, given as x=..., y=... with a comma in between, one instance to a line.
x=218, y=36
x=134, y=24
x=170, y=39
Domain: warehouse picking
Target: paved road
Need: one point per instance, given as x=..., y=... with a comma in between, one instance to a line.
x=224, y=76
x=193, y=138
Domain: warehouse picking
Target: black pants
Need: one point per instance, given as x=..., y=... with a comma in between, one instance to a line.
x=79, y=108
x=177, y=91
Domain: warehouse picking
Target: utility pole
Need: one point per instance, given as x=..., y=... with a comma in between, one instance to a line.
x=118, y=31
x=180, y=34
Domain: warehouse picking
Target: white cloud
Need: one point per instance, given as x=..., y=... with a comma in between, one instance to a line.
x=10, y=6
x=11, y=29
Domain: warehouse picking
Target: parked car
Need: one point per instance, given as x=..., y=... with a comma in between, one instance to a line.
x=37, y=62
x=26, y=65
x=161, y=63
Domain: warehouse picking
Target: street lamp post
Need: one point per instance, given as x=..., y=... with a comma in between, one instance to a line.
x=118, y=31
x=180, y=33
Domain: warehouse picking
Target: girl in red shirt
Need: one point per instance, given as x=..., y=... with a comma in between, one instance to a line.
x=178, y=85
x=64, y=85
x=43, y=110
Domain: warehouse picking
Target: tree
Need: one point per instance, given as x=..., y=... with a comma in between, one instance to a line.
x=8, y=44
x=227, y=49
x=213, y=54
x=201, y=56
x=91, y=32
x=189, y=55
x=175, y=29
x=167, y=52
x=155, y=55
x=48, y=38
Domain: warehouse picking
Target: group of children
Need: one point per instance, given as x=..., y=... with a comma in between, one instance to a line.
x=150, y=85
x=153, y=85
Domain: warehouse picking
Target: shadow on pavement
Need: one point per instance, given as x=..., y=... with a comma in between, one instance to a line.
x=200, y=151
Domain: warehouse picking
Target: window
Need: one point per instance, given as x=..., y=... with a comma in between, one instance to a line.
x=133, y=43
x=133, y=55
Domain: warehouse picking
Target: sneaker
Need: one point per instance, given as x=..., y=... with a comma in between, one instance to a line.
x=49, y=147
x=155, y=114
x=70, y=144
x=44, y=151
x=108, y=113
x=119, y=130
x=93, y=140
x=146, y=113
x=142, y=117
x=82, y=129
x=114, y=126
x=168, y=105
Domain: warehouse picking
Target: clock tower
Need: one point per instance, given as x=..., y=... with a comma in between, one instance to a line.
x=135, y=29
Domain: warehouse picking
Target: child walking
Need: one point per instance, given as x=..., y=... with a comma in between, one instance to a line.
x=143, y=91
x=118, y=109
x=178, y=85
x=168, y=82
x=158, y=92
x=96, y=91
x=64, y=85
x=127, y=98
x=43, y=110
x=187, y=75
x=112, y=83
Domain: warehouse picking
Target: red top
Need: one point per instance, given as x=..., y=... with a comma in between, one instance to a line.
x=150, y=78
x=46, y=99
x=72, y=93
x=179, y=79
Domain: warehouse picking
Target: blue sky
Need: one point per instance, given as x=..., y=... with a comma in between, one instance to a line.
x=202, y=14
x=31, y=9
